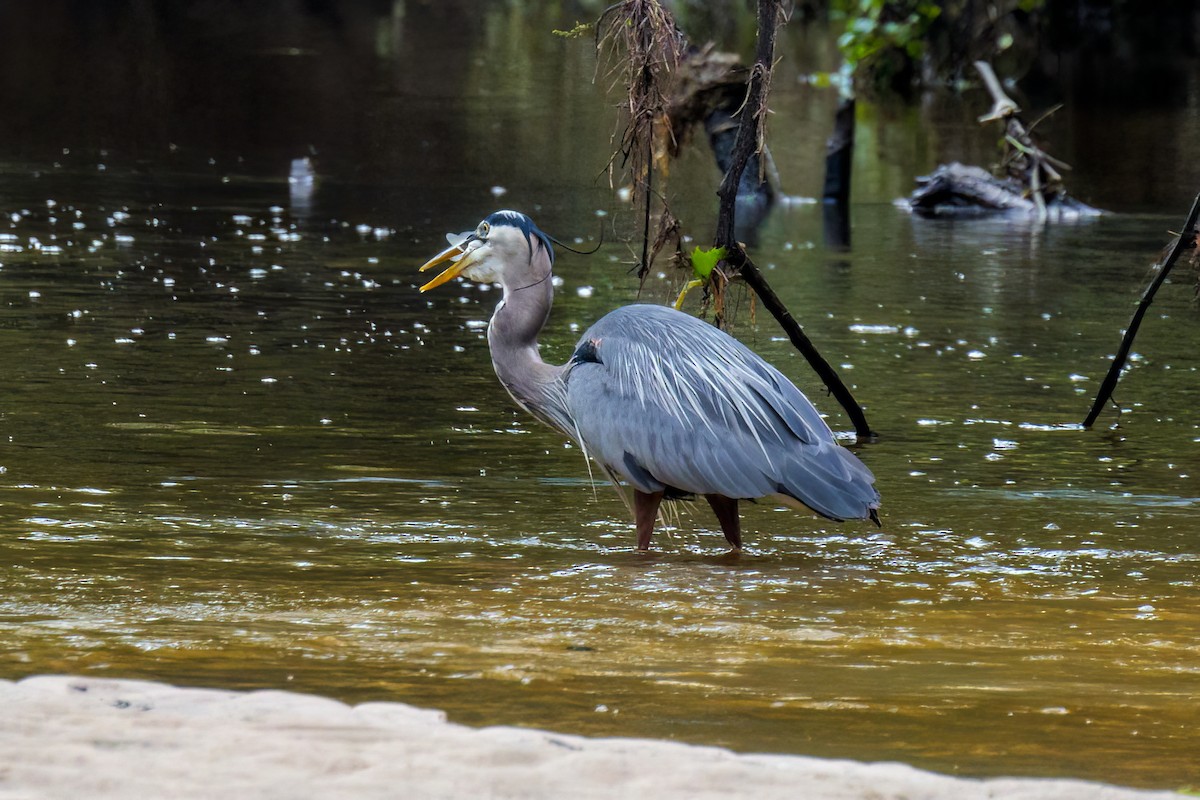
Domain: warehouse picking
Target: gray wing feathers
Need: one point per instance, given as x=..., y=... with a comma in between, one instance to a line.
x=668, y=401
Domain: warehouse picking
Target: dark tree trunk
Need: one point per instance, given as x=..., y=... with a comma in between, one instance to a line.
x=839, y=159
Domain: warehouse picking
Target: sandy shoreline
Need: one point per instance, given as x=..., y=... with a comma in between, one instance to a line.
x=70, y=737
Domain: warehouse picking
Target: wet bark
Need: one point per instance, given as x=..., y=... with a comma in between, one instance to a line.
x=753, y=117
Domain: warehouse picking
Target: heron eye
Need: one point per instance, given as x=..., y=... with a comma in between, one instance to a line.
x=483, y=230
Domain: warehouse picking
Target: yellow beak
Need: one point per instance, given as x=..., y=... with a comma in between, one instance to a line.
x=454, y=252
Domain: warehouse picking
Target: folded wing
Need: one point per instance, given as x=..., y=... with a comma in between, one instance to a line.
x=670, y=403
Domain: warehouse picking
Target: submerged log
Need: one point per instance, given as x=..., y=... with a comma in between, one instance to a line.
x=755, y=194
x=839, y=155
x=710, y=90
x=959, y=191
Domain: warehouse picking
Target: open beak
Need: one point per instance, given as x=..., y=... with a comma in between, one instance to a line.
x=455, y=253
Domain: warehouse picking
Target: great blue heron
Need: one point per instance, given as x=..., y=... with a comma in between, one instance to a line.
x=667, y=403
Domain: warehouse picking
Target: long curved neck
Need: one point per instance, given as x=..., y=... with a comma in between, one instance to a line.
x=537, y=387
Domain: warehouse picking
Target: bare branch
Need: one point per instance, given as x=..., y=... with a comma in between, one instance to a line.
x=749, y=141
x=1186, y=241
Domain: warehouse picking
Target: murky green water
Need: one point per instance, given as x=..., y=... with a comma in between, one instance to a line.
x=239, y=449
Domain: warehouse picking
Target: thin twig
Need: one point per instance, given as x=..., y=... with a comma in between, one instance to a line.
x=644, y=266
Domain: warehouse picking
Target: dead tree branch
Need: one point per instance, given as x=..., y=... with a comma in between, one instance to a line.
x=1025, y=161
x=1186, y=241
x=749, y=141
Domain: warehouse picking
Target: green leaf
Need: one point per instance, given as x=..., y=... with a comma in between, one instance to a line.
x=703, y=261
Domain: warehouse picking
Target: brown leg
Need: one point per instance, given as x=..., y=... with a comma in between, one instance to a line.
x=645, y=512
x=727, y=514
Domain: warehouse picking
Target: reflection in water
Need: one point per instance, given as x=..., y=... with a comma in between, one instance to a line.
x=302, y=182
x=241, y=450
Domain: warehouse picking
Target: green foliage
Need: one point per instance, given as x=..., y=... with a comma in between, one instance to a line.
x=874, y=27
x=579, y=30
x=704, y=260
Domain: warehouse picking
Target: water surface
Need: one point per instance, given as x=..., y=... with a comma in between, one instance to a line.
x=240, y=449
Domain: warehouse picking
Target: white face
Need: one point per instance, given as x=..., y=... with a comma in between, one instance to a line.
x=479, y=255
x=492, y=251
x=490, y=254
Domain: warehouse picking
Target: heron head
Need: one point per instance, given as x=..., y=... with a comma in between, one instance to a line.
x=501, y=247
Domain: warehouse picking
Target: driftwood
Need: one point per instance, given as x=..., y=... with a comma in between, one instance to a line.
x=957, y=190
x=839, y=155
x=1186, y=241
x=1031, y=186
